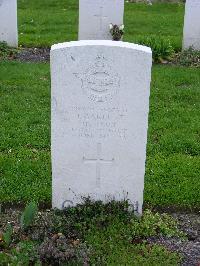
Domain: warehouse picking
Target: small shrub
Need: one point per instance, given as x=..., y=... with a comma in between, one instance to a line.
x=57, y=250
x=28, y=215
x=91, y=214
x=154, y=224
x=5, y=259
x=161, y=48
x=189, y=57
x=98, y=216
x=25, y=253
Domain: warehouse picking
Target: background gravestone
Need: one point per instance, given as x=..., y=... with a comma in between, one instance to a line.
x=8, y=22
x=95, y=17
x=191, y=34
x=100, y=103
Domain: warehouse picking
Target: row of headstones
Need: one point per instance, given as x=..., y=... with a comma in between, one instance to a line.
x=94, y=18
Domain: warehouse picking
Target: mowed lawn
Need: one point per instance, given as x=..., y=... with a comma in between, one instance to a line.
x=46, y=22
x=173, y=152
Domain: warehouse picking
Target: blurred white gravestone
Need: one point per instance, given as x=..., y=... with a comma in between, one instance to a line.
x=95, y=17
x=100, y=103
x=191, y=33
x=8, y=22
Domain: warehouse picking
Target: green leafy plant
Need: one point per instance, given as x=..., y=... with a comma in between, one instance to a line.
x=152, y=224
x=4, y=258
x=24, y=253
x=7, y=236
x=161, y=48
x=28, y=215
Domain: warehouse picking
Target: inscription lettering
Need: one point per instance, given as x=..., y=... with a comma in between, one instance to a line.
x=101, y=123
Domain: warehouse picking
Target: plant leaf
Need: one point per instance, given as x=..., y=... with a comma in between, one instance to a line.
x=28, y=215
x=7, y=236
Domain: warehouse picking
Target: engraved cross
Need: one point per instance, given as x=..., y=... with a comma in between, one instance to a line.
x=101, y=17
x=98, y=160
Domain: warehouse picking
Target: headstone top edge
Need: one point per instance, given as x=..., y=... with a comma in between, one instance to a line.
x=101, y=43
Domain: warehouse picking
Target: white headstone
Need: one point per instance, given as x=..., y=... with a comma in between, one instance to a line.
x=95, y=17
x=191, y=33
x=8, y=22
x=100, y=103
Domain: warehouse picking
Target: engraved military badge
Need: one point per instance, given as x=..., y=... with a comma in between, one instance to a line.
x=100, y=83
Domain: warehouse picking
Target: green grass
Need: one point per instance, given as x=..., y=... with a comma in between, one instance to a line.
x=43, y=23
x=173, y=165
x=160, y=19
x=24, y=132
x=173, y=152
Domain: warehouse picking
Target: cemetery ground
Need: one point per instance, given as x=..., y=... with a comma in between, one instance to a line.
x=94, y=233
x=43, y=23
